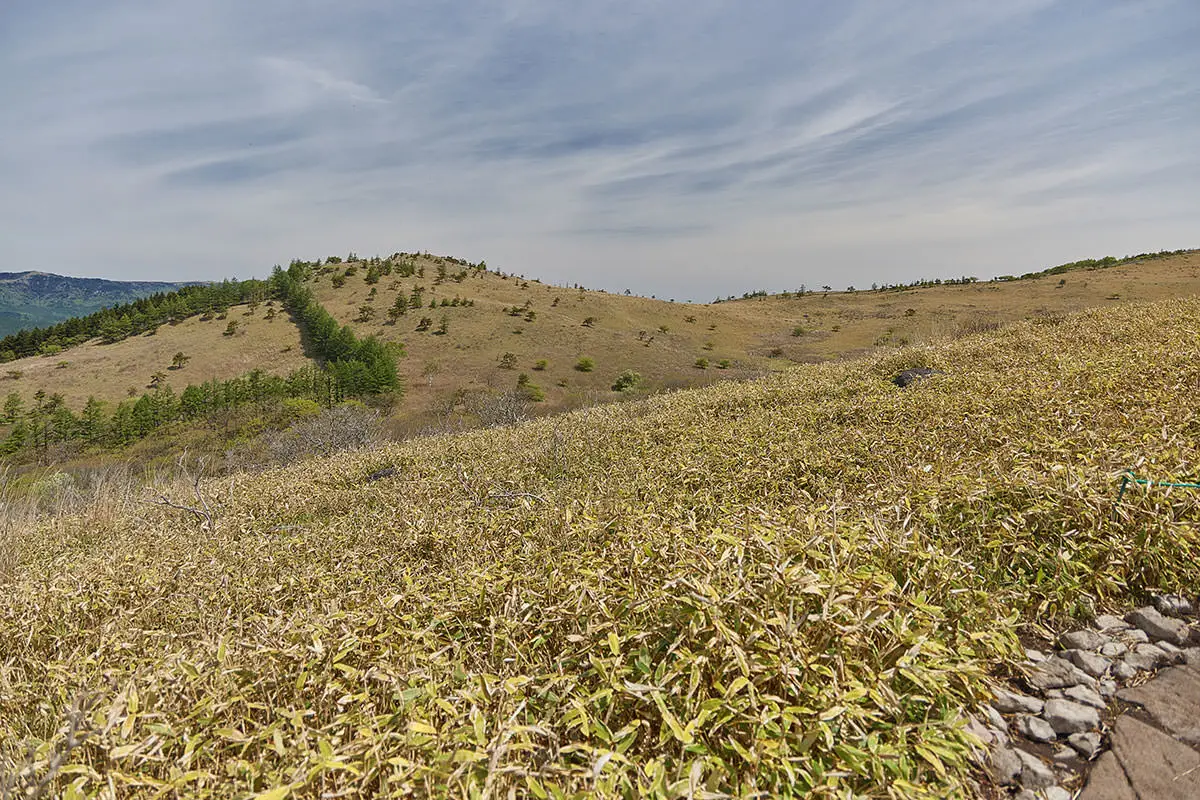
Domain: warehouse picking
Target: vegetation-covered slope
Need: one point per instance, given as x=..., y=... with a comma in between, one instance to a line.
x=665, y=342
x=788, y=587
x=109, y=371
x=490, y=343
x=31, y=299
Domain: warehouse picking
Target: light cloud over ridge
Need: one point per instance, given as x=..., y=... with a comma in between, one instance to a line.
x=685, y=149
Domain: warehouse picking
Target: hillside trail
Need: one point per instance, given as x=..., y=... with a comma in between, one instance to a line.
x=1113, y=708
x=1155, y=744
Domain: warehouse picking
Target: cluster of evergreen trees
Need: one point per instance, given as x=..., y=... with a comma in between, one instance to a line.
x=356, y=366
x=49, y=422
x=131, y=319
x=349, y=367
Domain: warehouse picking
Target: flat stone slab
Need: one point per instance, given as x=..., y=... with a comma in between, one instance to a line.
x=1173, y=699
x=1144, y=764
x=1108, y=781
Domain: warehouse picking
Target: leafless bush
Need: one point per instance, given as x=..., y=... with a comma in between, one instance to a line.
x=444, y=424
x=976, y=324
x=203, y=510
x=31, y=775
x=344, y=427
x=498, y=408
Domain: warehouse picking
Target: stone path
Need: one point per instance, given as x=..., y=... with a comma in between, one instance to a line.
x=1112, y=714
x=1156, y=759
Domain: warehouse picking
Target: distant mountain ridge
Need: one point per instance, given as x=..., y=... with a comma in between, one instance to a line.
x=34, y=299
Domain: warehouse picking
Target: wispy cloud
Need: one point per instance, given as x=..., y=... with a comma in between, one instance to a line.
x=686, y=149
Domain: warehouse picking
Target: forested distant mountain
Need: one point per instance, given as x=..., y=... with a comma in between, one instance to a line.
x=37, y=299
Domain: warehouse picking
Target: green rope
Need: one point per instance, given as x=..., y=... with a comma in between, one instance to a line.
x=1128, y=478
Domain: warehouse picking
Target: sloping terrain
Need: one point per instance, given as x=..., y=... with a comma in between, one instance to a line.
x=669, y=345
x=786, y=587
x=33, y=299
x=112, y=372
x=736, y=339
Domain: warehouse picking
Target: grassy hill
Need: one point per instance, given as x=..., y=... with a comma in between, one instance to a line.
x=34, y=299
x=112, y=372
x=485, y=347
x=794, y=586
x=737, y=339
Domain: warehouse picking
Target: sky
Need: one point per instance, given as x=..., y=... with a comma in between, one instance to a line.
x=683, y=148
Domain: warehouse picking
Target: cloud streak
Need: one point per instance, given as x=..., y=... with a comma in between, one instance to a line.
x=683, y=149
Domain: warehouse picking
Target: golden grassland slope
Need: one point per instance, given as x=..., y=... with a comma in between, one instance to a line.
x=794, y=586
x=112, y=372
x=737, y=339
x=755, y=335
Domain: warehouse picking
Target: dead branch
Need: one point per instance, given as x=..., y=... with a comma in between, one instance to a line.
x=23, y=782
x=203, y=511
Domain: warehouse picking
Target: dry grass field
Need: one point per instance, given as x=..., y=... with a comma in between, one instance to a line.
x=112, y=372
x=662, y=341
x=788, y=587
x=754, y=336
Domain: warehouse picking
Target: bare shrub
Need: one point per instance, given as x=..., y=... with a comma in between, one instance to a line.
x=976, y=324
x=351, y=426
x=202, y=509
x=498, y=408
x=32, y=774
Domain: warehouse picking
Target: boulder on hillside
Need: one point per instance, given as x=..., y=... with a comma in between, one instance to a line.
x=911, y=376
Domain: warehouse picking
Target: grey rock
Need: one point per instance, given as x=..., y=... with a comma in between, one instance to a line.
x=1107, y=780
x=1057, y=673
x=1174, y=654
x=981, y=732
x=1123, y=670
x=379, y=475
x=1158, y=627
x=1025, y=794
x=1081, y=640
x=1036, y=729
x=1135, y=636
x=1082, y=694
x=1171, y=605
x=1093, y=664
x=911, y=376
x=1034, y=655
x=1016, y=703
x=1063, y=753
x=1006, y=766
x=994, y=718
x=1067, y=717
x=1191, y=656
x=1107, y=622
x=1056, y=793
x=1173, y=700
x=1141, y=662
x=1153, y=651
x=1035, y=774
x=1108, y=687
x=1155, y=765
x=1113, y=650
x=1086, y=744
